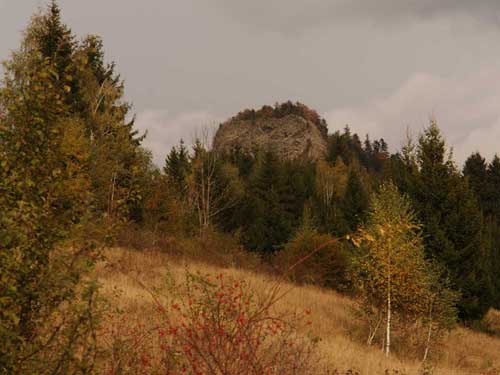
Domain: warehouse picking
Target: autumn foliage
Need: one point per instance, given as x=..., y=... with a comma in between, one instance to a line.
x=282, y=110
x=213, y=325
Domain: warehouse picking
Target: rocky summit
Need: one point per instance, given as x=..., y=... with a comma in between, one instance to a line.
x=291, y=130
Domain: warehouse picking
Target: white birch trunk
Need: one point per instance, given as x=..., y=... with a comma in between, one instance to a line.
x=429, y=334
x=373, y=333
x=388, y=328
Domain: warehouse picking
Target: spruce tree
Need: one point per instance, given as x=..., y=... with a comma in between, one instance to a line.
x=492, y=208
x=264, y=228
x=118, y=164
x=355, y=202
x=56, y=43
x=452, y=223
x=272, y=206
x=177, y=167
x=475, y=170
x=492, y=193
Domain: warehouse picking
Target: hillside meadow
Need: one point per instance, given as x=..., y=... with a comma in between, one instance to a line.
x=129, y=276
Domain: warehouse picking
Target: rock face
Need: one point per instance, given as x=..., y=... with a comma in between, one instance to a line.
x=291, y=136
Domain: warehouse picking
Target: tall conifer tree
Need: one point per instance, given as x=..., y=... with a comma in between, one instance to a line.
x=452, y=223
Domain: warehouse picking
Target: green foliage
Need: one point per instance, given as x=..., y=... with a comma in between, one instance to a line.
x=452, y=223
x=328, y=267
x=392, y=261
x=271, y=223
x=397, y=284
x=282, y=110
x=272, y=194
x=177, y=167
x=276, y=194
x=492, y=194
x=355, y=202
x=475, y=169
x=329, y=191
x=348, y=147
x=118, y=165
x=45, y=200
x=484, y=179
x=55, y=42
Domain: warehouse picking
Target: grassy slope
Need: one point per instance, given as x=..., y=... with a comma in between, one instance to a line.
x=465, y=352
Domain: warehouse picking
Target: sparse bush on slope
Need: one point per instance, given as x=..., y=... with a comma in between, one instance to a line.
x=214, y=326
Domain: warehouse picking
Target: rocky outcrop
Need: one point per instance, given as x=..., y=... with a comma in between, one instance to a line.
x=291, y=136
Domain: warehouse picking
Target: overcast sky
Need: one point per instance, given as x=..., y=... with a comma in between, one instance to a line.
x=380, y=66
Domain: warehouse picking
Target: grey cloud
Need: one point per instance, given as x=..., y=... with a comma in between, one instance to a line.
x=295, y=16
x=466, y=109
x=377, y=64
x=165, y=130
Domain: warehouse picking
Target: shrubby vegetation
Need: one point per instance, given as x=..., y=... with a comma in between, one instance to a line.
x=214, y=325
x=281, y=110
x=61, y=121
x=414, y=238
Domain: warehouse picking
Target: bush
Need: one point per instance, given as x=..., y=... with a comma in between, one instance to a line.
x=327, y=267
x=209, y=246
x=62, y=335
x=490, y=324
x=492, y=319
x=214, y=326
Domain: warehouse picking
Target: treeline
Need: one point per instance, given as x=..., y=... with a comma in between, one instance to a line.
x=424, y=247
x=269, y=199
x=74, y=177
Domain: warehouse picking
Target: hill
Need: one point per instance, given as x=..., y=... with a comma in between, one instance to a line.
x=292, y=131
x=134, y=274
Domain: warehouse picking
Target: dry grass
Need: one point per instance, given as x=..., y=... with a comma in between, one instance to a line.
x=464, y=352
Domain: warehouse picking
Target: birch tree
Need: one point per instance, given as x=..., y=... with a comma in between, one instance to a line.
x=392, y=274
x=331, y=181
x=213, y=186
x=329, y=189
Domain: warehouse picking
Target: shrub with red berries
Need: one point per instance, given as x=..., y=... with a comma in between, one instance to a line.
x=212, y=326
